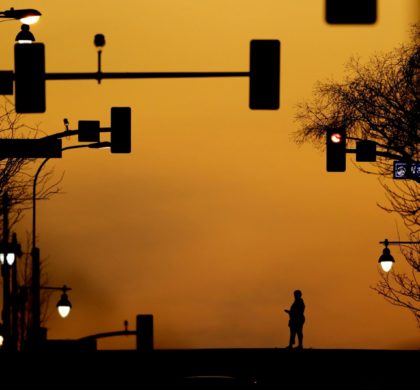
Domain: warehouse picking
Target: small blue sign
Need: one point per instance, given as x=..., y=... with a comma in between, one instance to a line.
x=406, y=170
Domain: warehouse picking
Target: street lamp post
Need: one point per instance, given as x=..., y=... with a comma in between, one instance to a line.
x=386, y=260
x=36, y=264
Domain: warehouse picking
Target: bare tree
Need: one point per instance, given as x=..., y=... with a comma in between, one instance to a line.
x=16, y=174
x=16, y=180
x=379, y=101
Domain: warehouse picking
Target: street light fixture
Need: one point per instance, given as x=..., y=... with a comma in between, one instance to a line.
x=26, y=16
x=7, y=256
x=24, y=35
x=64, y=304
x=386, y=260
x=9, y=251
x=1, y=335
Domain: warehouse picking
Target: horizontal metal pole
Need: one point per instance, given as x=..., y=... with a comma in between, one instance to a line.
x=55, y=288
x=66, y=133
x=69, y=133
x=140, y=75
x=399, y=242
x=389, y=155
x=378, y=153
x=110, y=334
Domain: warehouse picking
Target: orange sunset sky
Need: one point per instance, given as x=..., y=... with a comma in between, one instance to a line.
x=217, y=215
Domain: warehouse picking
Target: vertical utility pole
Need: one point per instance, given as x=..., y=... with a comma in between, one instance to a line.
x=36, y=301
x=5, y=272
x=35, y=324
x=14, y=334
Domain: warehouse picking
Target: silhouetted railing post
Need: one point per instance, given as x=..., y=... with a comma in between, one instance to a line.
x=144, y=328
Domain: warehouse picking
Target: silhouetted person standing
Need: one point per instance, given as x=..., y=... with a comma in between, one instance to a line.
x=296, y=319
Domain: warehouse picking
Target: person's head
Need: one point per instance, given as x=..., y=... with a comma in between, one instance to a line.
x=297, y=294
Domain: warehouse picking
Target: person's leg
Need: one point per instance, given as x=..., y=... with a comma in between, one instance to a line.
x=292, y=336
x=299, y=332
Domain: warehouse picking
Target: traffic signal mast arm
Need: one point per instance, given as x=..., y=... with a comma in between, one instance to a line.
x=89, y=131
x=379, y=153
x=120, y=131
x=30, y=76
x=69, y=133
x=50, y=146
x=373, y=150
x=366, y=150
x=139, y=75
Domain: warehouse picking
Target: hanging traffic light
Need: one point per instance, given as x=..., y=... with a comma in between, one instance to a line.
x=29, y=77
x=264, y=80
x=350, y=11
x=120, y=129
x=336, y=150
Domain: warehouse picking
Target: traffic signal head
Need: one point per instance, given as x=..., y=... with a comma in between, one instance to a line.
x=350, y=11
x=366, y=151
x=264, y=79
x=89, y=131
x=336, y=150
x=120, y=130
x=29, y=77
